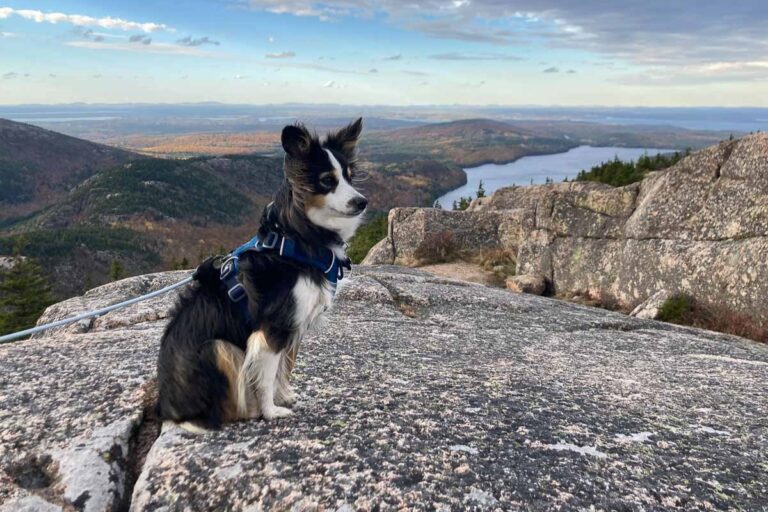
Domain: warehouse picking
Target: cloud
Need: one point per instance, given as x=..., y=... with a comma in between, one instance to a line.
x=552, y=70
x=51, y=75
x=697, y=74
x=447, y=29
x=189, y=41
x=281, y=55
x=329, y=84
x=10, y=75
x=373, y=70
x=141, y=38
x=83, y=21
x=474, y=57
x=278, y=64
x=8, y=34
x=240, y=77
x=399, y=56
x=148, y=48
x=415, y=73
x=649, y=33
x=571, y=71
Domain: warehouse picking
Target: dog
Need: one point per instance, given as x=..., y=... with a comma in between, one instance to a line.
x=214, y=367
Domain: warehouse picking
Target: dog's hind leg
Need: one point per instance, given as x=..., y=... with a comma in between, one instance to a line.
x=229, y=361
x=259, y=374
x=284, y=393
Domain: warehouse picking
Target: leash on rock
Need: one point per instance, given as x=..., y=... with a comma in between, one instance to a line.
x=326, y=262
x=92, y=314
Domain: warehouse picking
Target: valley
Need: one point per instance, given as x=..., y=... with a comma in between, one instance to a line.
x=169, y=192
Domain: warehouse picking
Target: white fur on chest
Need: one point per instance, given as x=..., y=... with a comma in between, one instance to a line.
x=311, y=302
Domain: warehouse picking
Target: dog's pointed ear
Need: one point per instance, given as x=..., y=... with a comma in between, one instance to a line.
x=296, y=140
x=345, y=140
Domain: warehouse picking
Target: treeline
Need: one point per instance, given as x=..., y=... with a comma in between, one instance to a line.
x=618, y=173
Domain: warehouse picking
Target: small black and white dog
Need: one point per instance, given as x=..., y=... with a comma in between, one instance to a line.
x=213, y=366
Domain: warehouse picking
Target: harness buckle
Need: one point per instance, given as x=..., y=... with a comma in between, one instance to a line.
x=236, y=293
x=270, y=242
x=228, y=268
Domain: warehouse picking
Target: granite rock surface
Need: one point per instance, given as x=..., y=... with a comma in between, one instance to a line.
x=420, y=393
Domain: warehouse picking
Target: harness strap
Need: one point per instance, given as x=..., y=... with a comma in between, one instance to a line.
x=327, y=262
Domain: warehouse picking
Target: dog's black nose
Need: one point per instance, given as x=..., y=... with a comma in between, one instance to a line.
x=357, y=204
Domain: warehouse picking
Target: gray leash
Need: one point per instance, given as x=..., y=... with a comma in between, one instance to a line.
x=91, y=314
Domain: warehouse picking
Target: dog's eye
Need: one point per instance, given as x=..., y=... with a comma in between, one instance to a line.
x=327, y=181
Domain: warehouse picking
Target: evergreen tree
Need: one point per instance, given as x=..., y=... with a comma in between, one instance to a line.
x=480, y=190
x=463, y=203
x=437, y=205
x=116, y=270
x=24, y=293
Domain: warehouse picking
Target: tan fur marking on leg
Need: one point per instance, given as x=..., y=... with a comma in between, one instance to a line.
x=229, y=360
x=284, y=394
x=247, y=405
x=290, y=359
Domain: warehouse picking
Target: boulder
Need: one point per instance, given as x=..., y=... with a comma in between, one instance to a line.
x=420, y=392
x=651, y=307
x=534, y=284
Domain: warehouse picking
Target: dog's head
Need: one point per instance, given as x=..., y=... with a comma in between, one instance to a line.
x=321, y=175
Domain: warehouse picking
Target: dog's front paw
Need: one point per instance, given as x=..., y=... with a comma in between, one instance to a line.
x=288, y=398
x=276, y=412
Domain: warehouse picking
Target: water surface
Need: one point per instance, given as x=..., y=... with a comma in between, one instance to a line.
x=536, y=169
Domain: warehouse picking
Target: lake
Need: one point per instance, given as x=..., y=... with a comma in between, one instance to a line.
x=537, y=169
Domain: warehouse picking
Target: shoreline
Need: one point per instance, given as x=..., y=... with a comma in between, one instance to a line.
x=651, y=151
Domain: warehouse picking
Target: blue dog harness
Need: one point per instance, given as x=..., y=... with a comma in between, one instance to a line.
x=327, y=262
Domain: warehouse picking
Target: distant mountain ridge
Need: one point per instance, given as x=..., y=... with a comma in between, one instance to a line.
x=84, y=208
x=39, y=167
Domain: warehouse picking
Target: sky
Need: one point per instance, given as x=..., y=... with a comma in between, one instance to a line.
x=386, y=52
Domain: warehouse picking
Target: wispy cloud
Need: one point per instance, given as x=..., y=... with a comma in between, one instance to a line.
x=148, y=48
x=398, y=56
x=654, y=33
x=189, y=41
x=83, y=21
x=281, y=55
x=141, y=38
x=10, y=75
x=553, y=69
x=474, y=57
x=288, y=63
x=329, y=84
x=415, y=73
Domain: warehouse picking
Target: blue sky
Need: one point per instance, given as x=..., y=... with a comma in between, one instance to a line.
x=478, y=52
